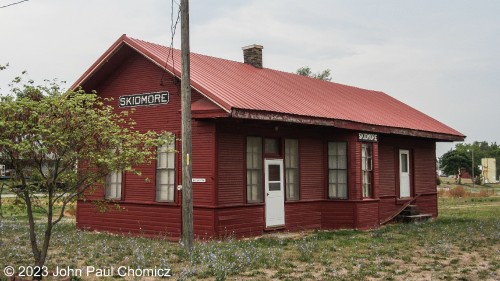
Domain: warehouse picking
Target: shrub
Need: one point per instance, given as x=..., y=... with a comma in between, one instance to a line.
x=438, y=181
x=442, y=192
x=485, y=192
x=458, y=192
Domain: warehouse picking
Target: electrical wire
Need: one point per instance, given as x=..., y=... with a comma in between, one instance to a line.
x=173, y=28
x=12, y=4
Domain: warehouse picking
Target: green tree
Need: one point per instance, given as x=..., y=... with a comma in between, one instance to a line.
x=482, y=149
x=324, y=75
x=61, y=146
x=452, y=161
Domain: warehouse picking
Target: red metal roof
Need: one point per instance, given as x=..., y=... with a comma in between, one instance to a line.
x=235, y=86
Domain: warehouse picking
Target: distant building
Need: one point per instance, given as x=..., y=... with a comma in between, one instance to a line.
x=464, y=174
x=489, y=171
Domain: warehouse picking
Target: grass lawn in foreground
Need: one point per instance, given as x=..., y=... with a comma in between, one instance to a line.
x=462, y=244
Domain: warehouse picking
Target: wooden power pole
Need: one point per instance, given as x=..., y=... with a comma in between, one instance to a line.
x=187, y=193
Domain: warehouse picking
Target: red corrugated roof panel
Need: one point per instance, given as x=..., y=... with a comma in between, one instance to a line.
x=235, y=85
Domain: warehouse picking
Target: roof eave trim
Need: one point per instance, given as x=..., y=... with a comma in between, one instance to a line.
x=343, y=124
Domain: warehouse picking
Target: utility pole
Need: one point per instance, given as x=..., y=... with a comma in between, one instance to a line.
x=473, y=178
x=187, y=193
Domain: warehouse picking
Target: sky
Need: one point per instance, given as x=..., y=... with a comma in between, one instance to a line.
x=441, y=57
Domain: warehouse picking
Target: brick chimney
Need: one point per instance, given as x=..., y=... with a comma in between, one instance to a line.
x=253, y=55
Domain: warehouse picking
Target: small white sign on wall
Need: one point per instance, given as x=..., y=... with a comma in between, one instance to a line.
x=198, y=180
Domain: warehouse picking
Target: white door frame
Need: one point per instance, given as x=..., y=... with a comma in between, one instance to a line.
x=404, y=174
x=274, y=194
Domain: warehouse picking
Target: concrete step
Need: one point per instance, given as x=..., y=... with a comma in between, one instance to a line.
x=410, y=210
x=415, y=218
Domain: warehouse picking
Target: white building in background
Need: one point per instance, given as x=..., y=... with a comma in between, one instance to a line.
x=489, y=170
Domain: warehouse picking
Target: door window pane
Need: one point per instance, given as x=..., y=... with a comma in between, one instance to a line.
x=404, y=162
x=274, y=186
x=274, y=173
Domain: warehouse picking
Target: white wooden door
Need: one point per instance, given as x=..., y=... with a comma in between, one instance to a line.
x=275, y=199
x=404, y=173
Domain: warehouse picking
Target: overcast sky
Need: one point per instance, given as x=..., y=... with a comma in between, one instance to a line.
x=441, y=57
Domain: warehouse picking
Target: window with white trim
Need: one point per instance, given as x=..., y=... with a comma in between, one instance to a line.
x=366, y=168
x=114, y=186
x=254, y=170
x=337, y=170
x=292, y=169
x=165, y=172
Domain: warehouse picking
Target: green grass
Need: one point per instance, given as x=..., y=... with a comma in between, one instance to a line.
x=15, y=209
x=462, y=244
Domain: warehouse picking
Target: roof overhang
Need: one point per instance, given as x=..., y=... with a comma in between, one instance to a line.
x=343, y=124
x=204, y=108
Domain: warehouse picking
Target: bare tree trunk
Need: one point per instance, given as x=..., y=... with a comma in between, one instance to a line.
x=40, y=255
x=1, y=211
x=31, y=220
x=48, y=229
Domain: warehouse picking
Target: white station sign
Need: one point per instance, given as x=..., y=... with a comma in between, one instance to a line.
x=144, y=99
x=368, y=137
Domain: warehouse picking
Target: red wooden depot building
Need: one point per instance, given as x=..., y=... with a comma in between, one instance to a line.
x=270, y=149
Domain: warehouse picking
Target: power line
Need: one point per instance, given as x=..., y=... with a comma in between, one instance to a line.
x=12, y=4
x=173, y=28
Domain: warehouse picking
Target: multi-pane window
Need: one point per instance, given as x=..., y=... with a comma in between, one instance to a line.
x=165, y=172
x=292, y=169
x=337, y=170
x=254, y=169
x=366, y=168
x=114, y=186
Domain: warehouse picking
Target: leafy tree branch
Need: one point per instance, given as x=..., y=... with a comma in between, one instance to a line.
x=62, y=145
x=324, y=75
